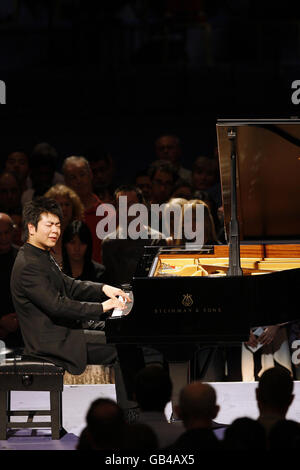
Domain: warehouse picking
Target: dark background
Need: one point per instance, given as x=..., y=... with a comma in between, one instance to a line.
x=113, y=75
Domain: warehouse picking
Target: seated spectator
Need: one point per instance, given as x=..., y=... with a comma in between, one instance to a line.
x=43, y=161
x=173, y=220
x=169, y=148
x=153, y=390
x=143, y=182
x=205, y=177
x=72, y=209
x=274, y=396
x=163, y=176
x=10, y=195
x=9, y=326
x=245, y=434
x=209, y=231
x=284, y=435
x=104, y=430
x=77, y=244
x=17, y=163
x=103, y=169
x=79, y=177
x=182, y=189
x=197, y=408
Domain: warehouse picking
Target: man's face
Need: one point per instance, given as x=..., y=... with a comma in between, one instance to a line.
x=162, y=185
x=102, y=173
x=144, y=183
x=66, y=207
x=168, y=148
x=78, y=177
x=6, y=236
x=131, y=199
x=204, y=174
x=17, y=163
x=9, y=192
x=46, y=234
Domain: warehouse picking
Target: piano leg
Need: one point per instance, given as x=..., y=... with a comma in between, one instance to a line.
x=180, y=376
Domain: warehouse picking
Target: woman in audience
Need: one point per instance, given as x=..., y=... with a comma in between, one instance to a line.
x=77, y=253
x=72, y=209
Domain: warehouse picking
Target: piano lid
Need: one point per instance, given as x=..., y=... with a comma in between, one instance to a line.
x=268, y=177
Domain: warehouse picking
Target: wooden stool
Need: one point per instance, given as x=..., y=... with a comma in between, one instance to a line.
x=30, y=374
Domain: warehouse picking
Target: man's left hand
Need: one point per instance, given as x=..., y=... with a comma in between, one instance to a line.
x=113, y=292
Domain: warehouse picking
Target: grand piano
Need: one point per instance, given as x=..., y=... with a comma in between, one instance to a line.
x=214, y=294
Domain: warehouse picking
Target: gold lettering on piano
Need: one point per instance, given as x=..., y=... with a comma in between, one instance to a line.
x=187, y=300
x=207, y=309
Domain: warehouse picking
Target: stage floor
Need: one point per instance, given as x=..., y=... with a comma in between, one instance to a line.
x=236, y=399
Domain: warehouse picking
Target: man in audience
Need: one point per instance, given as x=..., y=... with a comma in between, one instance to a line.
x=18, y=164
x=42, y=162
x=10, y=195
x=197, y=408
x=143, y=182
x=79, y=177
x=163, y=176
x=105, y=424
x=9, y=326
x=274, y=396
x=153, y=390
x=169, y=148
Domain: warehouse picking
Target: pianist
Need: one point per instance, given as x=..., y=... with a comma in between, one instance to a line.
x=52, y=306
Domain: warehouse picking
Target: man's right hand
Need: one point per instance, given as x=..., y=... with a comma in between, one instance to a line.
x=252, y=341
x=113, y=303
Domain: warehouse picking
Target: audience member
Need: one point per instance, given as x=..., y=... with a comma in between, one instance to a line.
x=43, y=174
x=72, y=209
x=274, y=396
x=9, y=325
x=10, y=195
x=77, y=245
x=169, y=148
x=205, y=177
x=182, y=189
x=103, y=169
x=17, y=163
x=197, y=408
x=163, y=177
x=104, y=430
x=153, y=390
x=284, y=435
x=79, y=177
x=245, y=434
x=143, y=182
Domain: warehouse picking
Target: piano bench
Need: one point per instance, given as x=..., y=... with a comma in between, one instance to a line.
x=22, y=374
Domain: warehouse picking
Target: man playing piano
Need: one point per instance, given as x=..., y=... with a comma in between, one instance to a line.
x=52, y=306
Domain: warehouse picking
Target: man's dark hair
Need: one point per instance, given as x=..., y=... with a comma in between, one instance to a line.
x=34, y=209
x=127, y=188
x=275, y=387
x=153, y=388
x=105, y=422
x=164, y=166
x=43, y=154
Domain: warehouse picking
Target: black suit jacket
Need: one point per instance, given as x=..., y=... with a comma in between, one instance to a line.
x=51, y=307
